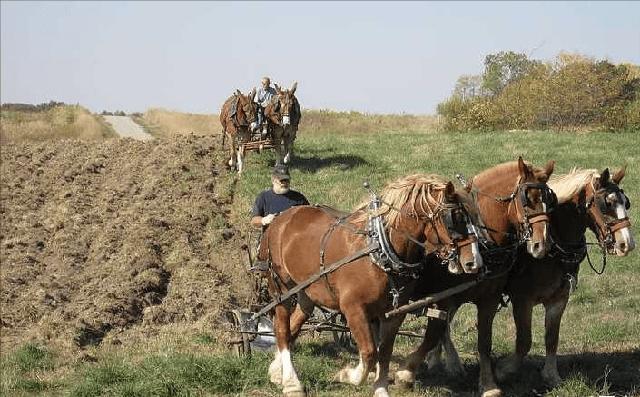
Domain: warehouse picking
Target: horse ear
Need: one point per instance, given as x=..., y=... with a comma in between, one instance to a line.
x=548, y=169
x=450, y=192
x=293, y=88
x=253, y=93
x=238, y=91
x=278, y=90
x=522, y=167
x=619, y=175
x=604, y=176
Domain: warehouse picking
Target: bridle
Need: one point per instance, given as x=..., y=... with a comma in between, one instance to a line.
x=606, y=225
x=283, y=113
x=520, y=200
x=386, y=256
x=243, y=121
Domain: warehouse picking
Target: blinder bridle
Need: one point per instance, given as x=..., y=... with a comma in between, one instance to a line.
x=528, y=216
x=610, y=224
x=450, y=215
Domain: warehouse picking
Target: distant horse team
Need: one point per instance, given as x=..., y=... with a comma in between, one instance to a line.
x=282, y=115
x=515, y=230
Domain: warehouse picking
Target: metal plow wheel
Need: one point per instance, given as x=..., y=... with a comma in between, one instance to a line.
x=256, y=335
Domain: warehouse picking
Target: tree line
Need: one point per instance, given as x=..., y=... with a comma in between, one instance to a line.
x=571, y=92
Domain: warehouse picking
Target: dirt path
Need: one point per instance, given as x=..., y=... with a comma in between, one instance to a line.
x=126, y=127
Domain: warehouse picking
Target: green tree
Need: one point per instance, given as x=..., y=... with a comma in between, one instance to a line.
x=503, y=68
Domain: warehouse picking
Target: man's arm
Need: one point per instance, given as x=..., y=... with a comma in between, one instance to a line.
x=256, y=221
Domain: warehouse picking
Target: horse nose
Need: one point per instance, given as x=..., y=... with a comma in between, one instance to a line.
x=538, y=249
x=471, y=267
x=623, y=248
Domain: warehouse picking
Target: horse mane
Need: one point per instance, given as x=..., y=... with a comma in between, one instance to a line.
x=495, y=175
x=565, y=186
x=422, y=192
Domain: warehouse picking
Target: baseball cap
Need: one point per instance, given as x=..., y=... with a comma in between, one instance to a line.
x=281, y=172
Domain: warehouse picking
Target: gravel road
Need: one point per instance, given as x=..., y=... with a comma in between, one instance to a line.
x=126, y=127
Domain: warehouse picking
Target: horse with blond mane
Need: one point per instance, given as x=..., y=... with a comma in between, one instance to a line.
x=587, y=200
x=363, y=265
x=512, y=200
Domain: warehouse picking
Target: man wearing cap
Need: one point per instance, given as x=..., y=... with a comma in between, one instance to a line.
x=271, y=202
x=262, y=98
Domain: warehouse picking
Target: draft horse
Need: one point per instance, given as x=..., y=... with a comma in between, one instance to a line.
x=364, y=264
x=511, y=200
x=587, y=200
x=236, y=116
x=283, y=116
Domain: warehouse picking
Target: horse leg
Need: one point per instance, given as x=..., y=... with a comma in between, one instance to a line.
x=281, y=369
x=241, y=153
x=553, y=316
x=453, y=364
x=387, y=334
x=278, y=148
x=434, y=357
x=297, y=319
x=361, y=331
x=522, y=313
x=486, y=313
x=289, y=138
x=233, y=157
x=405, y=377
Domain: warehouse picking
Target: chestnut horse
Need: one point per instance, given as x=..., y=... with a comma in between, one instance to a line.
x=283, y=116
x=236, y=116
x=364, y=264
x=587, y=200
x=511, y=200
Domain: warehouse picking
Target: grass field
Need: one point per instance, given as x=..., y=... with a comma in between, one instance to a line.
x=599, y=347
x=601, y=324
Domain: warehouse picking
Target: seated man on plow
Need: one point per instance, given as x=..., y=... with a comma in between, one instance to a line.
x=280, y=197
x=262, y=98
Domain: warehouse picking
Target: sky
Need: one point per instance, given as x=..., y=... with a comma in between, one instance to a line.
x=377, y=57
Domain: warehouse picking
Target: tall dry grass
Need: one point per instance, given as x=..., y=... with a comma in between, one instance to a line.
x=59, y=122
x=161, y=122
x=330, y=121
x=166, y=123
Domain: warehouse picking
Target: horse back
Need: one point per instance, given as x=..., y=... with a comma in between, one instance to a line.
x=304, y=240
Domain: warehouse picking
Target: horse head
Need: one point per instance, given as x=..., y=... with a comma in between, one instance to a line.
x=428, y=210
x=246, y=108
x=284, y=106
x=516, y=196
x=607, y=206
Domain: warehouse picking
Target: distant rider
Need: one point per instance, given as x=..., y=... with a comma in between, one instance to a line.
x=262, y=98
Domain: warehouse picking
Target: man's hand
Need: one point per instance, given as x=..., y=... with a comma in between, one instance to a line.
x=267, y=219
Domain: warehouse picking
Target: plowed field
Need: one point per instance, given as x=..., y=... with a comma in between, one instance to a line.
x=104, y=242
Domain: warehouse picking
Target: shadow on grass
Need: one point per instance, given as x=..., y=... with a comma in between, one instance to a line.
x=617, y=373
x=314, y=161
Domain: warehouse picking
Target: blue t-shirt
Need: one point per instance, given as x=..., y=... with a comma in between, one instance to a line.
x=269, y=202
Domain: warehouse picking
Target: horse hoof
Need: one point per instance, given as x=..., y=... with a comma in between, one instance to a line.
x=381, y=392
x=493, y=393
x=404, y=379
x=294, y=393
x=551, y=379
x=275, y=372
x=342, y=376
x=293, y=389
